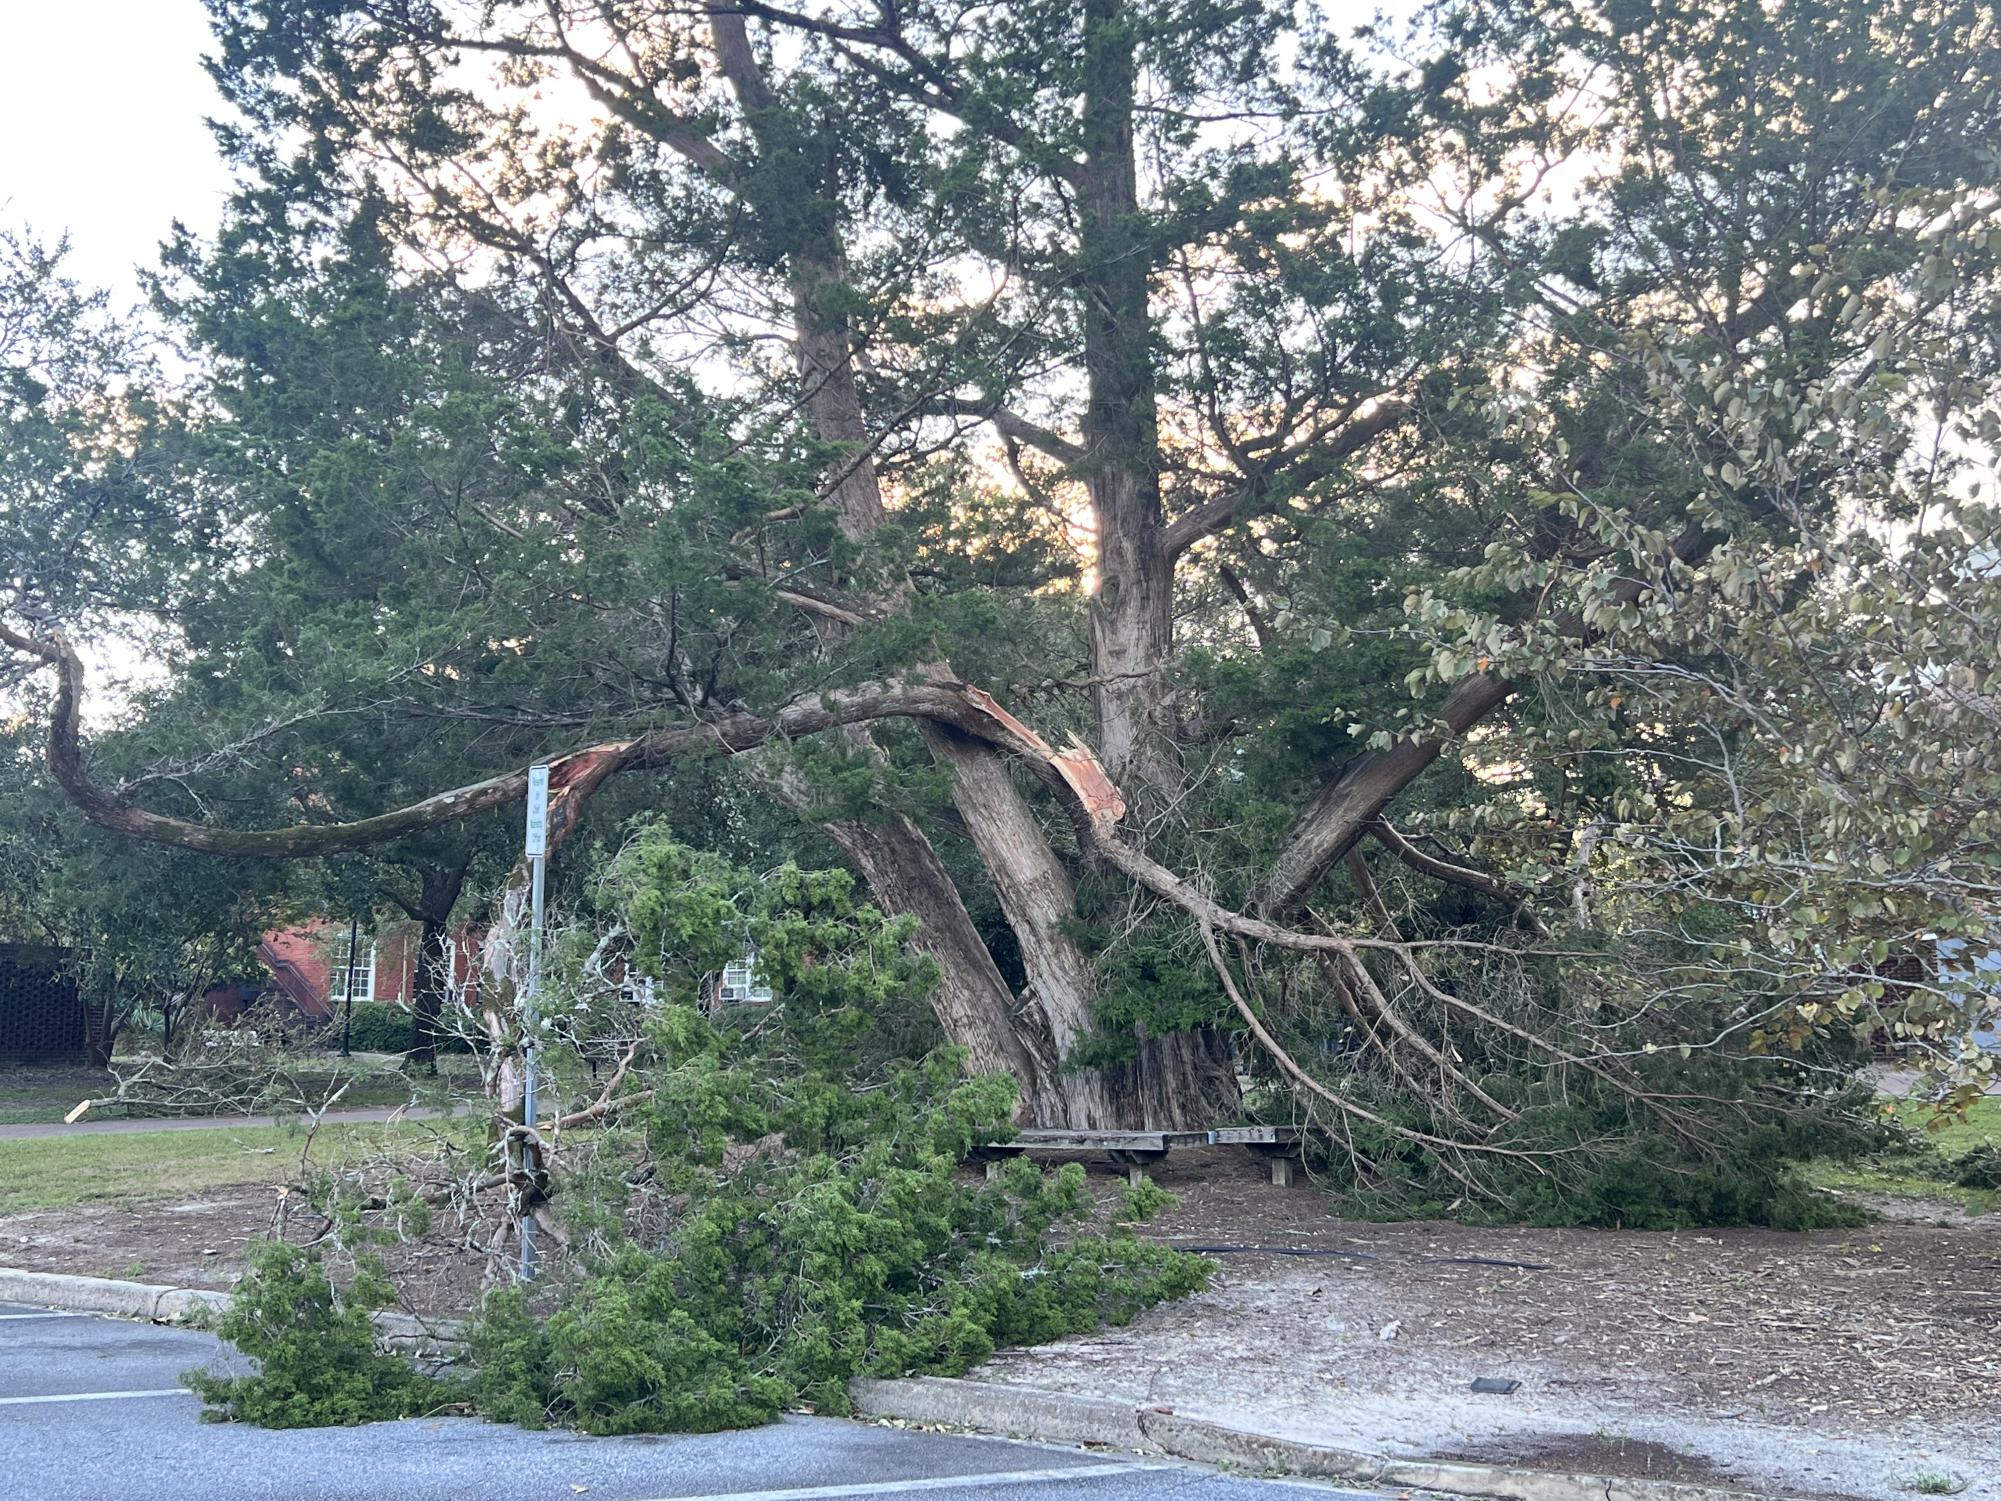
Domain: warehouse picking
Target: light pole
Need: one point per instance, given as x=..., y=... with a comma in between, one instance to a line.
x=347, y=1010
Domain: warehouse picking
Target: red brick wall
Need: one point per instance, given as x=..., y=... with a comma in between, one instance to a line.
x=312, y=946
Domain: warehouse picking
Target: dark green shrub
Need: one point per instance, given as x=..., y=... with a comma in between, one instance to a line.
x=1978, y=1168
x=315, y=1349
x=379, y=1027
x=386, y=1027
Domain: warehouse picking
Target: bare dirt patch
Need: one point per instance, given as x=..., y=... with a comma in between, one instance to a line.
x=202, y=1243
x=1825, y=1363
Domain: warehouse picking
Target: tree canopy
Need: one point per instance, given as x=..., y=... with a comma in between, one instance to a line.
x=1438, y=570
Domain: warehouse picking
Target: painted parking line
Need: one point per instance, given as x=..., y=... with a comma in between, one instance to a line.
x=973, y=1482
x=158, y=1391
x=53, y=1313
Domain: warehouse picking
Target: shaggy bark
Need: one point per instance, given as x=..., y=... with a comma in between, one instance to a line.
x=1033, y=1034
x=1131, y=616
x=1184, y=1079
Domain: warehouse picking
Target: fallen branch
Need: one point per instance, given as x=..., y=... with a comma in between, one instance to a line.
x=1320, y=1091
x=1458, y=875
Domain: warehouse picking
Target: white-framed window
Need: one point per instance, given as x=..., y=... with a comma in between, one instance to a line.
x=364, y=971
x=742, y=984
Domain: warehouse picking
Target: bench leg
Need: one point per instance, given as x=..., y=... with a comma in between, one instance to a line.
x=1136, y=1163
x=1281, y=1171
x=993, y=1168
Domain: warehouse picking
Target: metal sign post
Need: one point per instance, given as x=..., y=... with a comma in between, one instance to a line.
x=347, y=1012
x=537, y=849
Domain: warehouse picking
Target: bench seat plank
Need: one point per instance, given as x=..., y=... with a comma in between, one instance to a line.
x=1107, y=1141
x=1255, y=1136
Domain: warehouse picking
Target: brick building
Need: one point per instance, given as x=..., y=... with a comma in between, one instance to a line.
x=309, y=969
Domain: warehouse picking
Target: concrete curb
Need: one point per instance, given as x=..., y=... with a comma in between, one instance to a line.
x=158, y=1304
x=1060, y=1417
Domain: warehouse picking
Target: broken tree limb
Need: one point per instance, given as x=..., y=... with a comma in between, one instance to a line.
x=1320, y=1091
x=1387, y=835
x=728, y=734
x=1338, y=816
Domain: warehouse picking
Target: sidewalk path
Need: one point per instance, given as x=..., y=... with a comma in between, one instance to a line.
x=127, y=1125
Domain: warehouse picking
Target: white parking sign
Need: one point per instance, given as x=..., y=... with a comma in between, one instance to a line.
x=538, y=812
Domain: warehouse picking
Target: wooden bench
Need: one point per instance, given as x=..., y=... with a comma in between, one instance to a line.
x=1278, y=1145
x=1138, y=1150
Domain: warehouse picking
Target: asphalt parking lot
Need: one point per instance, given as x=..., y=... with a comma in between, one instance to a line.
x=92, y=1409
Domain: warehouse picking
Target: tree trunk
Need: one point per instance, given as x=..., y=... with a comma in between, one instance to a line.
x=101, y=1025
x=1181, y=1081
x=1038, y=899
x=1030, y=1035
x=432, y=979
x=1131, y=621
x=972, y=1001
x=1186, y=1079
x=427, y=994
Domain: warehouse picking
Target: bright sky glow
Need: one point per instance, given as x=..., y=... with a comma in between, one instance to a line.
x=102, y=133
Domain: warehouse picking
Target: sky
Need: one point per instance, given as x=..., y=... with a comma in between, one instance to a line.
x=102, y=104
x=102, y=133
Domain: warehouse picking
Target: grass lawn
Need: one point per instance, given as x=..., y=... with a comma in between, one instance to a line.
x=40, y=1093
x=31, y=1093
x=63, y=1172
x=1925, y=1176
x=1982, y=1127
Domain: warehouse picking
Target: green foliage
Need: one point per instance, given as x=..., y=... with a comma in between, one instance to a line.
x=386, y=1027
x=823, y=1229
x=1589, y=1156
x=317, y=1365
x=819, y=1224
x=801, y=1272
x=1933, y=1483
x=1978, y=1168
x=1141, y=1201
